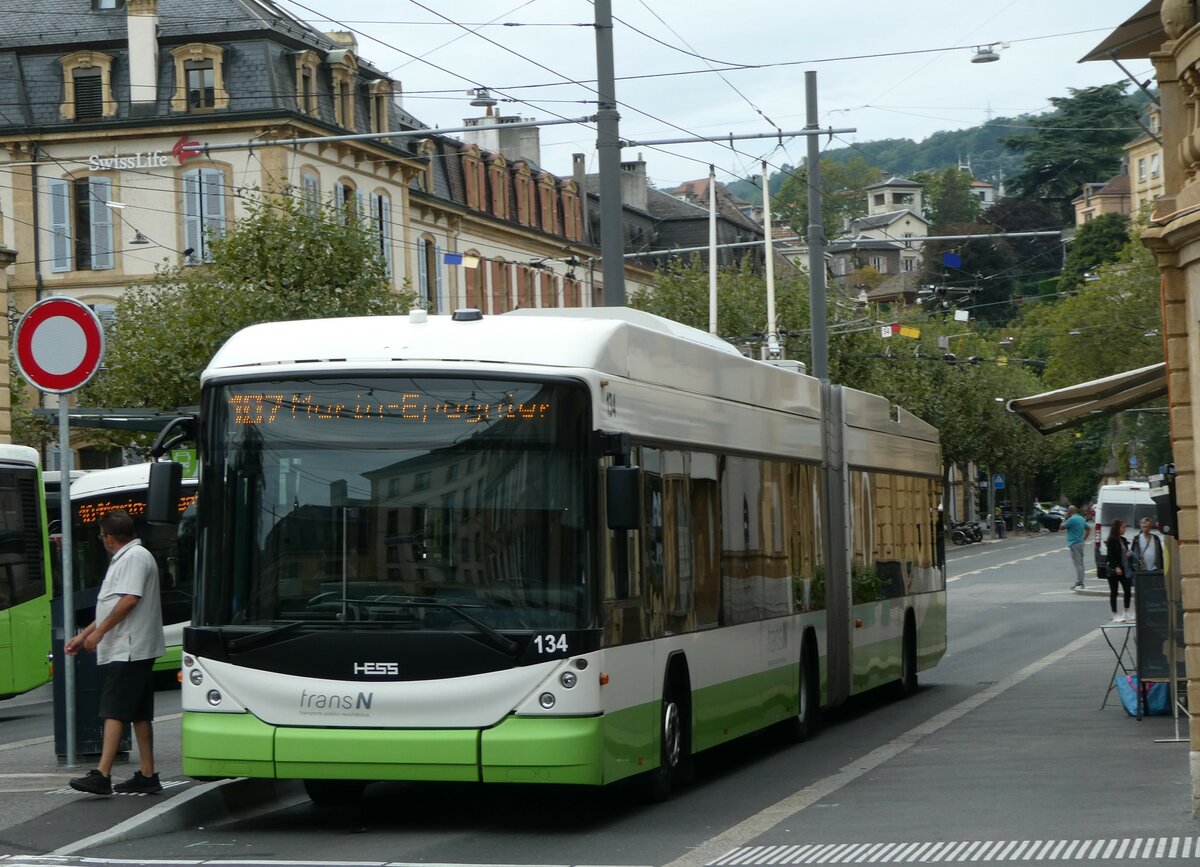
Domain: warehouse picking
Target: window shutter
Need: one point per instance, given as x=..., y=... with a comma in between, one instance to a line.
x=100, y=189
x=339, y=201
x=60, y=224
x=360, y=209
x=89, y=94
x=385, y=232
x=213, y=206
x=192, y=227
x=311, y=186
x=442, y=302
x=422, y=279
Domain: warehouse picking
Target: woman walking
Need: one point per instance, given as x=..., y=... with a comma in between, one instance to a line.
x=1117, y=559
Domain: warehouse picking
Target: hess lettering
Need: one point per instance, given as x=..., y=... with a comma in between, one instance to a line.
x=377, y=668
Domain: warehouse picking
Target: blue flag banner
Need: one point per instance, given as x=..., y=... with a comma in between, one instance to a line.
x=951, y=260
x=452, y=258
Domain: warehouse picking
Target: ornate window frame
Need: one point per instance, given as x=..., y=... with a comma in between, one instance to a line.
x=343, y=67
x=199, y=51
x=307, y=61
x=86, y=60
x=380, y=92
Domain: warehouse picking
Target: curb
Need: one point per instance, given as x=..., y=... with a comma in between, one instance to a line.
x=213, y=802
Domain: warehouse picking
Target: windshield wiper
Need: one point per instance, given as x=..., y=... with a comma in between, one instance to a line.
x=494, y=638
x=269, y=636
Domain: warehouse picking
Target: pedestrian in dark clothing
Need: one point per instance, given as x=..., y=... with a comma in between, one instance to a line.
x=1116, y=557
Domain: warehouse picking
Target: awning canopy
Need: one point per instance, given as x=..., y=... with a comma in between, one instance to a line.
x=1137, y=37
x=148, y=420
x=1072, y=406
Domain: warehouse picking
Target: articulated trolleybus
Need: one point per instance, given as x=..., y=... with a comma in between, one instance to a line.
x=549, y=546
x=24, y=573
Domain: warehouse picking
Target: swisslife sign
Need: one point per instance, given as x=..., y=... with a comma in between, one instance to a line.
x=183, y=150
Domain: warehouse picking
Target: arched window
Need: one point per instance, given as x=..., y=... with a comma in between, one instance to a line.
x=310, y=190
x=473, y=278
x=501, y=286
x=307, y=65
x=199, y=78
x=81, y=223
x=87, y=86
x=429, y=275
x=348, y=201
x=204, y=211
x=381, y=227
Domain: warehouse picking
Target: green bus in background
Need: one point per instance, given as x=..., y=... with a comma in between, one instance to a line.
x=24, y=574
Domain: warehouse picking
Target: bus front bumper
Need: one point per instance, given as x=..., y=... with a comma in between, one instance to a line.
x=565, y=750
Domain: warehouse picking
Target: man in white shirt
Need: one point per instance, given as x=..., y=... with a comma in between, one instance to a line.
x=126, y=636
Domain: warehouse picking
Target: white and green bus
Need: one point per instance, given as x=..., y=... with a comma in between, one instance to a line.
x=549, y=546
x=24, y=574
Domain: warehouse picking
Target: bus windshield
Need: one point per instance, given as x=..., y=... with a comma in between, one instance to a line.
x=397, y=502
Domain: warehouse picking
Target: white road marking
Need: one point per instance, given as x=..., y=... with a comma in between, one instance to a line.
x=1001, y=565
x=737, y=836
x=1124, y=849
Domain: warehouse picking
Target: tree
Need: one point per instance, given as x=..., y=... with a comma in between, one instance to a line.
x=843, y=195
x=1099, y=241
x=949, y=201
x=280, y=262
x=1034, y=259
x=1077, y=143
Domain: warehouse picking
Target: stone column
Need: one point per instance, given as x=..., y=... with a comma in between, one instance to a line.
x=1174, y=236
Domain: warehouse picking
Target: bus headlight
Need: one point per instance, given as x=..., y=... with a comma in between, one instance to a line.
x=568, y=679
x=214, y=697
x=196, y=676
x=546, y=700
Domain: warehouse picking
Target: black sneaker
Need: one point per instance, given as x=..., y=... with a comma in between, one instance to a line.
x=95, y=783
x=139, y=785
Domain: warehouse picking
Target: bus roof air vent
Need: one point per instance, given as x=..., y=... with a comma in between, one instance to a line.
x=467, y=314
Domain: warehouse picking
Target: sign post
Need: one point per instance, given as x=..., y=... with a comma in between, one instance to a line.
x=59, y=345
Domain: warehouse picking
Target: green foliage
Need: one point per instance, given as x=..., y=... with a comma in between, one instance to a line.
x=1079, y=142
x=681, y=293
x=949, y=202
x=1097, y=242
x=843, y=195
x=277, y=263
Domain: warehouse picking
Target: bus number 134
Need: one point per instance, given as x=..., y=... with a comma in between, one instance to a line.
x=550, y=643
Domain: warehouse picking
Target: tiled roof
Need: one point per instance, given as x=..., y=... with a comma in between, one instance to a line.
x=875, y=221
x=894, y=182
x=55, y=22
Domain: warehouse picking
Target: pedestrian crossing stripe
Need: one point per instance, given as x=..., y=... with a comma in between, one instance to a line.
x=167, y=784
x=957, y=852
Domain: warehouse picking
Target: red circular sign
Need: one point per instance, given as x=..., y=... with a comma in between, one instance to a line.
x=59, y=344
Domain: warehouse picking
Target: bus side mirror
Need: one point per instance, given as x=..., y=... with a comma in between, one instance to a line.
x=162, y=495
x=623, y=498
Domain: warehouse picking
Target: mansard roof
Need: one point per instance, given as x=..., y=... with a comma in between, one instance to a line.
x=75, y=22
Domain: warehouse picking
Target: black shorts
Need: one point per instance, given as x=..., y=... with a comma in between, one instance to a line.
x=128, y=693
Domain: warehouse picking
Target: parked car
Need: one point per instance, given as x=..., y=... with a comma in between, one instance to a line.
x=1048, y=516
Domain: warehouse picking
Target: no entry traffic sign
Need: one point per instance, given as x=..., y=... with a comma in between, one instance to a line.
x=59, y=345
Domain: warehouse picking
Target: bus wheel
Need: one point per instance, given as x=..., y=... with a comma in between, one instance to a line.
x=657, y=783
x=807, y=721
x=907, y=685
x=334, y=793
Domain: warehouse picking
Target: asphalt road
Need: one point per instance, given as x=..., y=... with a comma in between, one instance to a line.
x=1003, y=755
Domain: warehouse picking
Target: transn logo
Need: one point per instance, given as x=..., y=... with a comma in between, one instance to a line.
x=377, y=669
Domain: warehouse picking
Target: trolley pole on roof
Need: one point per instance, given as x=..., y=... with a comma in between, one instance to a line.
x=608, y=147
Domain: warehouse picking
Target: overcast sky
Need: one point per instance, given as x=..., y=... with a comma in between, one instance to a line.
x=934, y=86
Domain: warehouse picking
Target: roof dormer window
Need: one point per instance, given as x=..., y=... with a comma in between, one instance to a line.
x=87, y=86
x=199, y=78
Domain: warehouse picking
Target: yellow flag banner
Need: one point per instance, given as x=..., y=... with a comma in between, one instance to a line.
x=909, y=331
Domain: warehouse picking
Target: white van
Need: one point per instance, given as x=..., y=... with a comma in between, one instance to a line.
x=1127, y=501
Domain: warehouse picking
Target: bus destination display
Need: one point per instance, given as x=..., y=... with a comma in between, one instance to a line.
x=415, y=408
